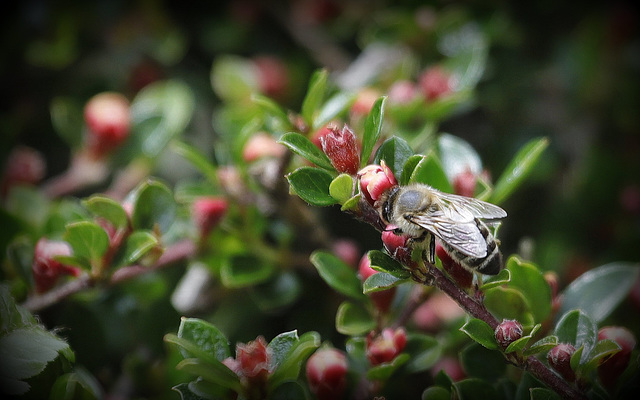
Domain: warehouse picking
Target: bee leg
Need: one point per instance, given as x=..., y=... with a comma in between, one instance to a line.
x=432, y=248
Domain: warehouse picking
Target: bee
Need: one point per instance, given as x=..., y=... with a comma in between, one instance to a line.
x=424, y=213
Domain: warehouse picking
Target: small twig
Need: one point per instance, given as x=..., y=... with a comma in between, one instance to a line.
x=174, y=253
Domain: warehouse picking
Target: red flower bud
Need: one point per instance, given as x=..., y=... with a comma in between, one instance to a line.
x=273, y=77
x=207, y=213
x=46, y=270
x=435, y=83
x=320, y=133
x=346, y=250
x=382, y=299
x=560, y=359
x=610, y=369
x=341, y=146
x=462, y=276
x=253, y=359
x=262, y=145
x=23, y=166
x=402, y=92
x=508, y=332
x=327, y=373
x=108, y=120
x=396, y=245
x=464, y=184
x=375, y=180
x=386, y=346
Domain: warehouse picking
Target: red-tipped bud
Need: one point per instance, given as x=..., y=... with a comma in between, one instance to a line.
x=462, y=276
x=508, y=332
x=386, y=346
x=207, y=213
x=464, y=184
x=375, y=180
x=262, y=145
x=382, y=299
x=560, y=359
x=610, y=370
x=346, y=250
x=402, y=92
x=23, y=166
x=364, y=102
x=46, y=270
x=341, y=146
x=108, y=121
x=396, y=245
x=327, y=373
x=253, y=359
x=273, y=77
x=320, y=133
x=435, y=83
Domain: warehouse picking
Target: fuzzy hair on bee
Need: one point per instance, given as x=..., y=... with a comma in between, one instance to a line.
x=423, y=214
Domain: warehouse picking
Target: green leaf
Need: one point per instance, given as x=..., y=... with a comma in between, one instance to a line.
x=509, y=303
x=528, y=279
x=578, y=329
x=245, y=270
x=108, y=209
x=475, y=389
x=520, y=344
x=137, y=245
x=383, y=371
x=289, y=367
x=153, y=203
x=518, y=169
x=314, y=96
x=457, y=156
x=205, y=336
x=272, y=108
x=543, y=394
x=12, y=316
x=436, y=393
x=233, y=78
x=312, y=185
x=337, y=274
x=28, y=204
x=409, y=167
x=197, y=159
x=352, y=319
x=67, y=120
x=333, y=107
x=88, y=240
x=395, y=151
x=503, y=278
x=424, y=350
x=280, y=291
x=76, y=385
x=351, y=204
x=542, y=346
x=302, y=146
x=599, y=291
x=429, y=171
x=380, y=261
x=372, y=128
x=600, y=352
x=341, y=188
x=280, y=346
x=381, y=281
x=481, y=332
x=216, y=372
x=480, y=362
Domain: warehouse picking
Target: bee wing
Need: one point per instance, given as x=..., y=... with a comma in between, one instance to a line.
x=468, y=207
x=462, y=235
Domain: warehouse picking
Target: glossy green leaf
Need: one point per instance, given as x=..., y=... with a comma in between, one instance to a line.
x=520, y=344
x=457, y=156
x=600, y=352
x=542, y=346
x=312, y=185
x=153, y=203
x=481, y=332
x=245, y=270
x=215, y=372
x=436, y=393
x=543, y=394
x=108, y=209
x=381, y=281
x=395, y=152
x=137, y=245
x=481, y=362
x=528, y=279
x=578, y=329
x=272, y=108
x=381, y=261
x=429, y=171
x=353, y=319
x=87, y=239
x=12, y=316
x=290, y=366
x=208, y=339
x=302, y=146
x=351, y=204
x=503, y=278
x=197, y=159
x=76, y=385
x=280, y=346
x=332, y=108
x=518, y=169
x=67, y=119
x=383, y=371
x=341, y=188
x=337, y=274
x=315, y=95
x=509, y=303
x=409, y=167
x=424, y=350
x=475, y=389
x=599, y=291
x=372, y=128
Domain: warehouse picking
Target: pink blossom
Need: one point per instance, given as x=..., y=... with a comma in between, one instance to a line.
x=375, y=180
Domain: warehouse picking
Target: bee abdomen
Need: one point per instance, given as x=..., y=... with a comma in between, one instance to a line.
x=491, y=264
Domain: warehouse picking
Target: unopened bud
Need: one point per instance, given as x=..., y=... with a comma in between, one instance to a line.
x=262, y=145
x=341, y=146
x=402, y=92
x=24, y=165
x=108, y=122
x=382, y=299
x=364, y=102
x=207, y=213
x=610, y=369
x=386, y=346
x=508, y=332
x=435, y=83
x=47, y=270
x=559, y=358
x=375, y=180
x=464, y=184
x=327, y=373
x=462, y=276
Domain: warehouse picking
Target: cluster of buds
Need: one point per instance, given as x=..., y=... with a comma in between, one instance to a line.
x=46, y=269
x=341, y=146
x=252, y=366
x=385, y=346
x=327, y=373
x=108, y=122
x=382, y=300
x=207, y=212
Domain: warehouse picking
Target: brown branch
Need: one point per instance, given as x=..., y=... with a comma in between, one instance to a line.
x=174, y=253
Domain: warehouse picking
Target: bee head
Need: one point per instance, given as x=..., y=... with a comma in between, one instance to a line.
x=387, y=204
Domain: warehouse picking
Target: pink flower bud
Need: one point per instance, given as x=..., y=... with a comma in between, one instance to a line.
x=375, y=180
x=610, y=369
x=207, y=213
x=396, y=245
x=46, y=270
x=382, y=299
x=364, y=102
x=253, y=359
x=341, y=146
x=327, y=373
x=273, y=77
x=462, y=276
x=386, y=346
x=435, y=83
x=402, y=92
x=559, y=358
x=346, y=250
x=262, y=145
x=508, y=332
x=464, y=184
x=108, y=120
x=23, y=166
